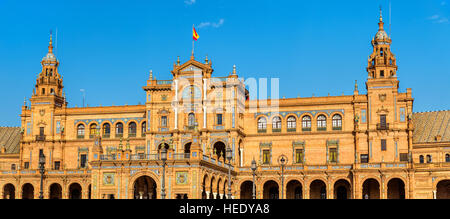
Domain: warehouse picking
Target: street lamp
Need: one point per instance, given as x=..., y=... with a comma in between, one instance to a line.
x=164, y=159
x=253, y=170
x=229, y=157
x=42, y=170
x=282, y=161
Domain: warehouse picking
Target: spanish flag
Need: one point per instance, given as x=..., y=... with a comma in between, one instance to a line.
x=195, y=35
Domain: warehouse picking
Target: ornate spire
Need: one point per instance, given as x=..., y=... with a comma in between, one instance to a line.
x=50, y=46
x=234, y=69
x=381, y=23
x=206, y=60
x=178, y=61
x=151, y=75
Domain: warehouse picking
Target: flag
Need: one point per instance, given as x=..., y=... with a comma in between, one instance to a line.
x=195, y=35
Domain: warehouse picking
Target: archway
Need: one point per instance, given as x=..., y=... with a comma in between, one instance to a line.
x=342, y=189
x=9, y=191
x=294, y=190
x=396, y=189
x=443, y=189
x=27, y=191
x=187, y=150
x=318, y=190
x=204, y=196
x=219, y=149
x=144, y=188
x=371, y=189
x=271, y=190
x=211, y=188
x=219, y=182
x=75, y=191
x=247, y=190
x=165, y=145
x=55, y=191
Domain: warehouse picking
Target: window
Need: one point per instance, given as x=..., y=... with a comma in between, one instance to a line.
x=41, y=131
x=13, y=167
x=383, y=125
x=306, y=123
x=421, y=159
x=83, y=160
x=403, y=157
x=26, y=165
x=57, y=165
x=291, y=123
x=266, y=156
x=93, y=131
x=382, y=73
x=381, y=52
x=364, y=158
x=276, y=124
x=262, y=124
x=337, y=122
x=383, y=145
x=298, y=155
x=119, y=130
x=132, y=128
x=163, y=121
x=219, y=119
x=191, y=120
x=144, y=128
x=321, y=123
x=80, y=131
x=333, y=155
x=447, y=158
x=43, y=91
x=429, y=159
x=106, y=130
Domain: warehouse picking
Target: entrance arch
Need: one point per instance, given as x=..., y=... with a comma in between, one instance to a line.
x=318, y=190
x=247, y=190
x=9, y=191
x=219, y=149
x=371, y=189
x=342, y=189
x=443, y=189
x=294, y=190
x=144, y=188
x=55, y=191
x=396, y=189
x=271, y=190
x=27, y=191
x=187, y=150
x=75, y=191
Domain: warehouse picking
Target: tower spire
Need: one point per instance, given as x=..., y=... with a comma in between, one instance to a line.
x=50, y=46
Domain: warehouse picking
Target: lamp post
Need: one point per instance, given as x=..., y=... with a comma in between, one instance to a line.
x=229, y=157
x=282, y=161
x=164, y=159
x=253, y=171
x=42, y=170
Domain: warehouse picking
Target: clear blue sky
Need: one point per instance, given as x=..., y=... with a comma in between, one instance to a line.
x=107, y=47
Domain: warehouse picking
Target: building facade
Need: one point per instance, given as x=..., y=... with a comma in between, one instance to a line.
x=360, y=146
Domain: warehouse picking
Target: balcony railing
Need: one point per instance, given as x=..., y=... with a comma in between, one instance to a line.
x=80, y=136
x=106, y=136
x=119, y=135
x=383, y=126
x=132, y=135
x=292, y=130
x=276, y=130
x=181, y=156
x=306, y=129
x=262, y=130
x=337, y=128
x=321, y=129
x=40, y=137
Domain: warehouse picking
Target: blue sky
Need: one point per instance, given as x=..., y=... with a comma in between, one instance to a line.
x=107, y=47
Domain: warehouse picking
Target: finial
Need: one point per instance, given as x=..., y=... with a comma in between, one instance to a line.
x=381, y=14
x=178, y=61
x=151, y=75
x=206, y=60
x=50, y=46
x=234, y=69
x=25, y=101
x=356, y=85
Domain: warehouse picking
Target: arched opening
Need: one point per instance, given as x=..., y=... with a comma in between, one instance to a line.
x=55, y=191
x=396, y=189
x=144, y=129
x=144, y=188
x=247, y=190
x=318, y=190
x=163, y=145
x=342, y=189
x=92, y=130
x=27, y=191
x=106, y=130
x=119, y=130
x=9, y=191
x=204, y=196
x=132, y=130
x=294, y=190
x=371, y=189
x=187, y=150
x=443, y=190
x=75, y=191
x=271, y=190
x=211, y=188
x=219, y=193
x=219, y=149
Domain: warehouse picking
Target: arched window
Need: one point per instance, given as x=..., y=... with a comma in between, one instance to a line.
x=421, y=159
x=106, y=130
x=119, y=130
x=321, y=123
x=291, y=123
x=191, y=119
x=276, y=123
x=132, y=130
x=306, y=123
x=92, y=130
x=337, y=122
x=262, y=124
x=447, y=158
x=429, y=159
x=144, y=128
x=80, y=131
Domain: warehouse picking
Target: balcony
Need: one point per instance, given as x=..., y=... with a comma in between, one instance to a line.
x=292, y=130
x=276, y=130
x=262, y=130
x=40, y=137
x=383, y=126
x=106, y=135
x=119, y=135
x=306, y=129
x=337, y=128
x=321, y=129
x=132, y=135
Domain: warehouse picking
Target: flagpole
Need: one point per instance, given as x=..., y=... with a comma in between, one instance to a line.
x=193, y=41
